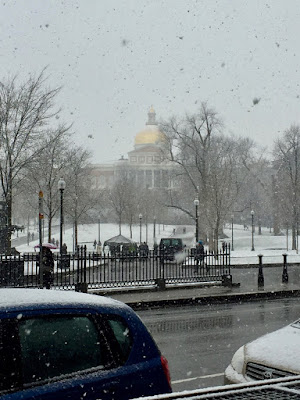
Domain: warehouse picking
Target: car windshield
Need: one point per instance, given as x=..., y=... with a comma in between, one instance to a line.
x=176, y=242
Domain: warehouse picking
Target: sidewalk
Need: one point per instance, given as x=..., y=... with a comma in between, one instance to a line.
x=245, y=288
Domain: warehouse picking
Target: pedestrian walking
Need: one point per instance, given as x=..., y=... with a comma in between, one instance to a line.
x=199, y=256
x=99, y=248
x=146, y=249
x=48, y=267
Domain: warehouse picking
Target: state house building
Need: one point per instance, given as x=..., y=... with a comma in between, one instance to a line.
x=145, y=164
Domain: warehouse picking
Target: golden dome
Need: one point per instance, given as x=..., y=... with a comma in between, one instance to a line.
x=149, y=136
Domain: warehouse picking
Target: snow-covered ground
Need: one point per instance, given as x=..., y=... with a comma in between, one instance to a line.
x=271, y=247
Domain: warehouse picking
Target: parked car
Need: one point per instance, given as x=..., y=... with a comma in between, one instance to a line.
x=169, y=247
x=274, y=355
x=59, y=345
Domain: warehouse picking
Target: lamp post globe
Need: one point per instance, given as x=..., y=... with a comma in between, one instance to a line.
x=99, y=222
x=61, y=188
x=196, y=203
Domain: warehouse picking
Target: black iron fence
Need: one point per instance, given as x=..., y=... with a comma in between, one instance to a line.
x=84, y=270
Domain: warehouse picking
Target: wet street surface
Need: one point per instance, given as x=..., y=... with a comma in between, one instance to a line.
x=199, y=341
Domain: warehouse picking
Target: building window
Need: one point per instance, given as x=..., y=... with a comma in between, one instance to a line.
x=140, y=178
x=157, y=159
x=132, y=176
x=149, y=159
x=149, y=179
x=157, y=180
x=141, y=159
x=165, y=179
x=133, y=159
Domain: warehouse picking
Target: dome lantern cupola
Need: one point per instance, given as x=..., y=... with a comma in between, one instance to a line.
x=151, y=135
x=151, y=117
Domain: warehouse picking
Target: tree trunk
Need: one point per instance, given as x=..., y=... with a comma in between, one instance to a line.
x=9, y=217
x=294, y=244
x=49, y=228
x=120, y=225
x=211, y=240
x=76, y=234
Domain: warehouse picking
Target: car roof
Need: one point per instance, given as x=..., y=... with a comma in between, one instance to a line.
x=171, y=238
x=22, y=299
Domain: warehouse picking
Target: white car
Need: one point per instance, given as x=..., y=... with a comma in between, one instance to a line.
x=274, y=355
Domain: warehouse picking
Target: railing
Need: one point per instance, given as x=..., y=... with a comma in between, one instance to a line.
x=121, y=269
x=281, y=389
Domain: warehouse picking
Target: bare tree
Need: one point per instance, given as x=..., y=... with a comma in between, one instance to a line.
x=118, y=197
x=287, y=180
x=80, y=198
x=44, y=172
x=209, y=166
x=24, y=111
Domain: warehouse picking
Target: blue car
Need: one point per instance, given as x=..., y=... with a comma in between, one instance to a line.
x=67, y=345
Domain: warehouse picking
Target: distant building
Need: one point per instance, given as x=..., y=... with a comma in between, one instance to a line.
x=145, y=162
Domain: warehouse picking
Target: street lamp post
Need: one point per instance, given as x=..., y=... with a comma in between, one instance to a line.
x=232, y=232
x=76, y=226
x=140, y=218
x=99, y=230
x=61, y=188
x=146, y=229
x=252, y=223
x=154, y=227
x=196, y=203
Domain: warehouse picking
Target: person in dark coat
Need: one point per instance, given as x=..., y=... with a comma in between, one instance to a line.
x=146, y=249
x=199, y=255
x=48, y=267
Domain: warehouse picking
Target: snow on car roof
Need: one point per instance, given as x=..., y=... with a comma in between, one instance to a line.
x=22, y=298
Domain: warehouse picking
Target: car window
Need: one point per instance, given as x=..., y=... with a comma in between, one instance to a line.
x=176, y=242
x=122, y=335
x=9, y=368
x=55, y=346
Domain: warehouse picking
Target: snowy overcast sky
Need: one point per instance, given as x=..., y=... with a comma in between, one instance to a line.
x=114, y=59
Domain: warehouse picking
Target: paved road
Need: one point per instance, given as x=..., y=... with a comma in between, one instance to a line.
x=199, y=341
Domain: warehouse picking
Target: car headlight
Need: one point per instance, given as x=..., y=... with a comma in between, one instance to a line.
x=238, y=359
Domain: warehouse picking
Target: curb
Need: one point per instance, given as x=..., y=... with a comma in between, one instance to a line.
x=215, y=299
x=155, y=289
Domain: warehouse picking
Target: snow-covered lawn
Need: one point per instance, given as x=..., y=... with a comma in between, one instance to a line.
x=271, y=247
